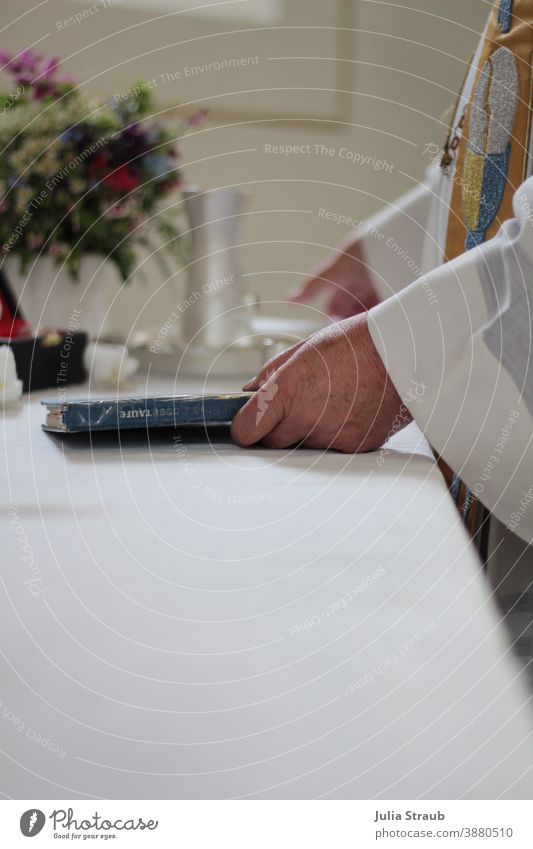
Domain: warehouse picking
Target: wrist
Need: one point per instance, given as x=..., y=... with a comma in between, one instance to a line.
x=377, y=390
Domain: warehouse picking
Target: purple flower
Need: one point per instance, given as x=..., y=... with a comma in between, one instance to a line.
x=28, y=58
x=38, y=73
x=73, y=134
x=50, y=67
x=26, y=61
x=24, y=78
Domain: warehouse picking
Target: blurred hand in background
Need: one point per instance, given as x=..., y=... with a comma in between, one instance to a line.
x=345, y=279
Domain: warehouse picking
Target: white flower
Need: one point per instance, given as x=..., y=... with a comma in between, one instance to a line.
x=109, y=365
x=10, y=385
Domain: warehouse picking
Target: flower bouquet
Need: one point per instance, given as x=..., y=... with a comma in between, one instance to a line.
x=81, y=176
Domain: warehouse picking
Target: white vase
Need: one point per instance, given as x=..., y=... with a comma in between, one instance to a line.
x=49, y=298
x=213, y=312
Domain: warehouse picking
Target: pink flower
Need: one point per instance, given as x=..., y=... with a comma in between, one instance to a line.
x=198, y=118
x=116, y=210
x=36, y=241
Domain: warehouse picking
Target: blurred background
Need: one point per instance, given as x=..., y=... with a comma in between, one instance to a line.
x=366, y=81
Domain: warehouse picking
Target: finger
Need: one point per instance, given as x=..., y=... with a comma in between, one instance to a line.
x=259, y=415
x=310, y=289
x=342, y=448
x=316, y=444
x=271, y=366
x=288, y=432
x=344, y=442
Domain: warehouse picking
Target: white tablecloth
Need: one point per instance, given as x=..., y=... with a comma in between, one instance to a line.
x=182, y=618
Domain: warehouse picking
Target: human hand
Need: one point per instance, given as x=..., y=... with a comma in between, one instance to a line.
x=347, y=281
x=330, y=391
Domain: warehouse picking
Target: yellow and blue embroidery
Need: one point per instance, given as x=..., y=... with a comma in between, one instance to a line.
x=505, y=14
x=486, y=163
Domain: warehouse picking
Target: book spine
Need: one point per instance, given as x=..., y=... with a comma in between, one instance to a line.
x=151, y=412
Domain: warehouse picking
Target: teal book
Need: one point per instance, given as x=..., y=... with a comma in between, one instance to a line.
x=79, y=416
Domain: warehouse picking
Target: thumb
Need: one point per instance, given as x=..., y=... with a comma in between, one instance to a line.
x=260, y=414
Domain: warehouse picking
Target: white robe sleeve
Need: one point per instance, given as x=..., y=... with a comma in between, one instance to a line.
x=393, y=239
x=457, y=344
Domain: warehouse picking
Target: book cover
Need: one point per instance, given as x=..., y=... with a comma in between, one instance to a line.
x=78, y=415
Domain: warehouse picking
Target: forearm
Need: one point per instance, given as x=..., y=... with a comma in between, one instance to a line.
x=392, y=241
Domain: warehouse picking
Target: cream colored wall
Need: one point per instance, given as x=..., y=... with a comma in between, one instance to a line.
x=409, y=60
